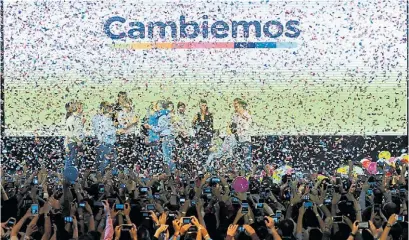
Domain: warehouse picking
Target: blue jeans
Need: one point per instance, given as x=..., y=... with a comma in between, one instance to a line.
x=168, y=144
x=72, y=157
x=105, y=154
x=244, y=155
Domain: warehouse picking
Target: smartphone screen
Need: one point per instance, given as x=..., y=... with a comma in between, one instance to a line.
x=363, y=225
x=278, y=213
x=337, y=219
x=82, y=204
x=35, y=180
x=259, y=206
x=34, y=209
x=186, y=220
x=101, y=188
x=68, y=219
x=308, y=204
x=11, y=222
x=126, y=227
x=244, y=207
x=119, y=206
x=150, y=207
x=182, y=200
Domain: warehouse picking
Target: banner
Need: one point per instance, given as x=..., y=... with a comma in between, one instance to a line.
x=303, y=67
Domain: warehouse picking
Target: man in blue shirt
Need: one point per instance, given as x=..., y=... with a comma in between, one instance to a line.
x=105, y=132
x=164, y=129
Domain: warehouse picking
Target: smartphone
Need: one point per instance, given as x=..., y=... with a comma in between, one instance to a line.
x=234, y=200
x=98, y=204
x=275, y=219
x=327, y=201
x=192, y=183
x=101, y=188
x=186, y=220
x=306, y=197
x=244, y=207
x=122, y=185
x=35, y=180
x=338, y=181
x=377, y=207
x=81, y=204
x=150, y=207
x=126, y=227
x=207, y=190
x=11, y=222
x=68, y=219
x=60, y=187
x=400, y=218
x=182, y=200
x=278, y=213
x=143, y=189
x=156, y=196
x=215, y=180
x=145, y=214
x=259, y=206
x=193, y=202
x=240, y=229
x=369, y=192
x=34, y=209
x=119, y=206
x=308, y=204
x=337, y=219
x=363, y=225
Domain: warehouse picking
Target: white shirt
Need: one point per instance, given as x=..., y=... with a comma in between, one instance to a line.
x=182, y=124
x=124, y=118
x=74, y=129
x=243, y=122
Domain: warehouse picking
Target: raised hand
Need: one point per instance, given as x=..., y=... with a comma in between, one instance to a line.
x=269, y=222
x=231, y=231
x=162, y=218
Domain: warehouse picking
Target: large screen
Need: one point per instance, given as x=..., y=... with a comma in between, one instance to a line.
x=303, y=67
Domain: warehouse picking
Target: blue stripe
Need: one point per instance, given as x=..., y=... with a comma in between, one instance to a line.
x=265, y=45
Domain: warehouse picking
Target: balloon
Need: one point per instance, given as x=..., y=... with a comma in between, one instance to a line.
x=405, y=158
x=240, y=184
x=372, y=168
x=365, y=163
x=71, y=174
x=384, y=155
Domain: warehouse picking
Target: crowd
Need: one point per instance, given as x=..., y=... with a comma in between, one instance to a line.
x=202, y=205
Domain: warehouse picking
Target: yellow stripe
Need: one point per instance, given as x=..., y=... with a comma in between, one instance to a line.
x=141, y=45
x=164, y=45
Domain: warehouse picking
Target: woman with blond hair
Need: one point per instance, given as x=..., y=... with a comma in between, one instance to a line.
x=74, y=132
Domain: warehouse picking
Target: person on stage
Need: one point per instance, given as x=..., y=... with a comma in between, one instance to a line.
x=182, y=126
x=203, y=126
x=127, y=121
x=74, y=133
x=153, y=151
x=240, y=126
x=105, y=132
x=165, y=130
x=118, y=106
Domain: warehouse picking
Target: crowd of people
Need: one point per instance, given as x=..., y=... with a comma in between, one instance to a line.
x=203, y=205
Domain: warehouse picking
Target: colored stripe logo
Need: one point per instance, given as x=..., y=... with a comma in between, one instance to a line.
x=204, y=45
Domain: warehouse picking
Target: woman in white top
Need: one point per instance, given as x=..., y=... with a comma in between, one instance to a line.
x=74, y=132
x=127, y=121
